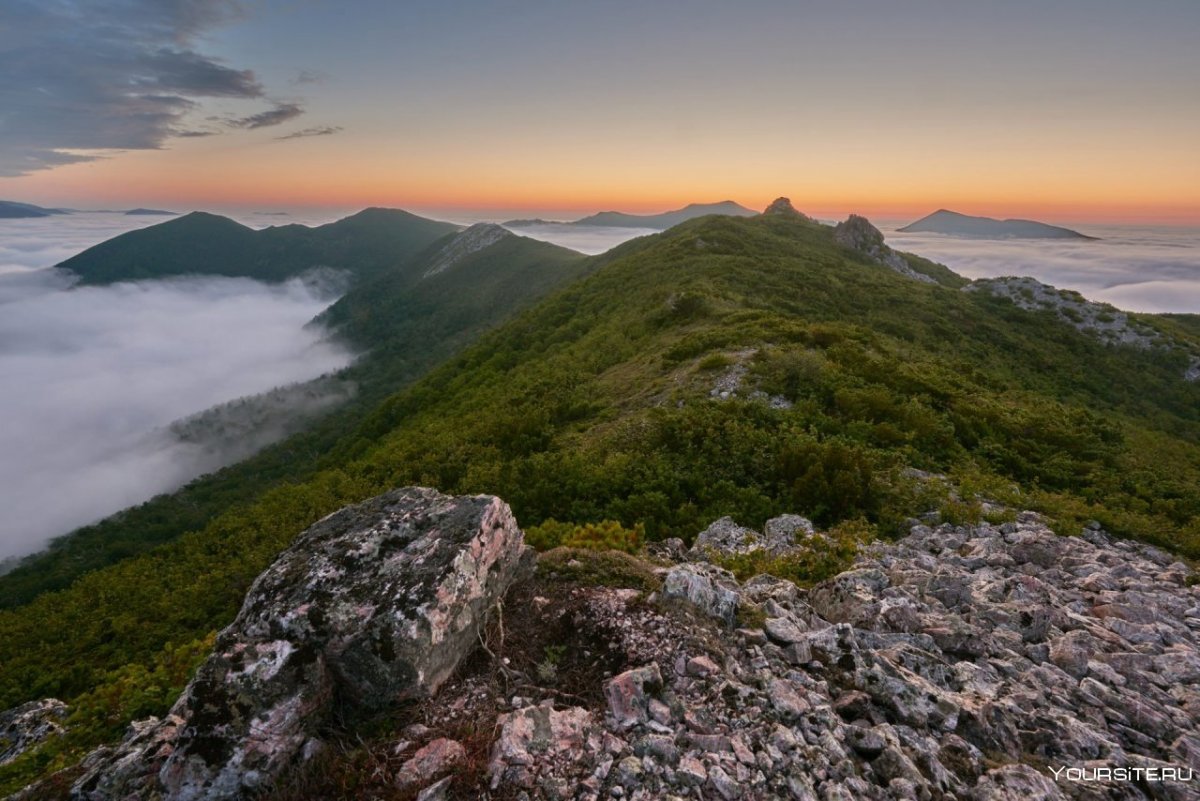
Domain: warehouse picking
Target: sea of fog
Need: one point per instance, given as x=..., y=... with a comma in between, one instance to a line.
x=89, y=377
x=1136, y=268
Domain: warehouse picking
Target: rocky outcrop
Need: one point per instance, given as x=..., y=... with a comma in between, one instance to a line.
x=29, y=724
x=973, y=663
x=858, y=234
x=962, y=662
x=1106, y=323
x=374, y=604
x=725, y=537
x=472, y=240
x=782, y=207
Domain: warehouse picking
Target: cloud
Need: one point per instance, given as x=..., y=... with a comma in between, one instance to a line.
x=308, y=76
x=79, y=77
x=589, y=239
x=283, y=112
x=321, y=130
x=93, y=376
x=1148, y=269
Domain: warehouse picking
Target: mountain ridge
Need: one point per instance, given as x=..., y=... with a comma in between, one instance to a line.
x=202, y=243
x=662, y=221
x=11, y=209
x=952, y=223
x=849, y=393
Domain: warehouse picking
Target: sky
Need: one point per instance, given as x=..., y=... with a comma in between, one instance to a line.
x=1076, y=110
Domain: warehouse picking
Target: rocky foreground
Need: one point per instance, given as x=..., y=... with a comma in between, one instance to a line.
x=961, y=662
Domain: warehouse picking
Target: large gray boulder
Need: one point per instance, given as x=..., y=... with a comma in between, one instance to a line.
x=724, y=537
x=376, y=603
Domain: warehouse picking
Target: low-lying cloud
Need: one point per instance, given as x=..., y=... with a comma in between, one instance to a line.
x=1147, y=269
x=92, y=377
x=589, y=239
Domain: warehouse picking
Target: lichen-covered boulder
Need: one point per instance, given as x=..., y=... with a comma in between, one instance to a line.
x=724, y=537
x=376, y=603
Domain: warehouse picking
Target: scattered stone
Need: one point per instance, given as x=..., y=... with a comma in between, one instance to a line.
x=540, y=739
x=430, y=761
x=28, y=725
x=710, y=589
x=629, y=695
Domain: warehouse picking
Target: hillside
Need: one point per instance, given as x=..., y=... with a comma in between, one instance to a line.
x=200, y=243
x=951, y=223
x=660, y=222
x=730, y=366
x=402, y=322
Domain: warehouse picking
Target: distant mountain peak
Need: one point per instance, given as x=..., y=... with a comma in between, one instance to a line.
x=953, y=223
x=660, y=222
x=13, y=209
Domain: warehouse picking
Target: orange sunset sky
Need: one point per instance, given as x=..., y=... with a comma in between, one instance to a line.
x=1067, y=111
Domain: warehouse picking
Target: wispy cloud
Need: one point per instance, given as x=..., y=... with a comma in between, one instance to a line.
x=79, y=77
x=320, y=130
x=283, y=112
x=308, y=76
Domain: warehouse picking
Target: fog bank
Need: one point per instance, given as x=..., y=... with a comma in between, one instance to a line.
x=1136, y=268
x=92, y=376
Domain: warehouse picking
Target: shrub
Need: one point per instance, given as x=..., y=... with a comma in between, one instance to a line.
x=817, y=558
x=607, y=535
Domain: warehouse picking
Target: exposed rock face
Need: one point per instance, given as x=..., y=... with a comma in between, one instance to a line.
x=25, y=726
x=375, y=603
x=961, y=662
x=472, y=240
x=1110, y=325
x=782, y=207
x=857, y=233
x=1107, y=323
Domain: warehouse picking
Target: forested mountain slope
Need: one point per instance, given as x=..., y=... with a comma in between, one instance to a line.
x=740, y=366
x=402, y=321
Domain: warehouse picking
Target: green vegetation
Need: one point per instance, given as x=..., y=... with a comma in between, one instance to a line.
x=589, y=407
x=815, y=559
x=406, y=325
x=607, y=535
x=366, y=244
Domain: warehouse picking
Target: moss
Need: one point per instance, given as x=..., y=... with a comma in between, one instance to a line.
x=598, y=569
